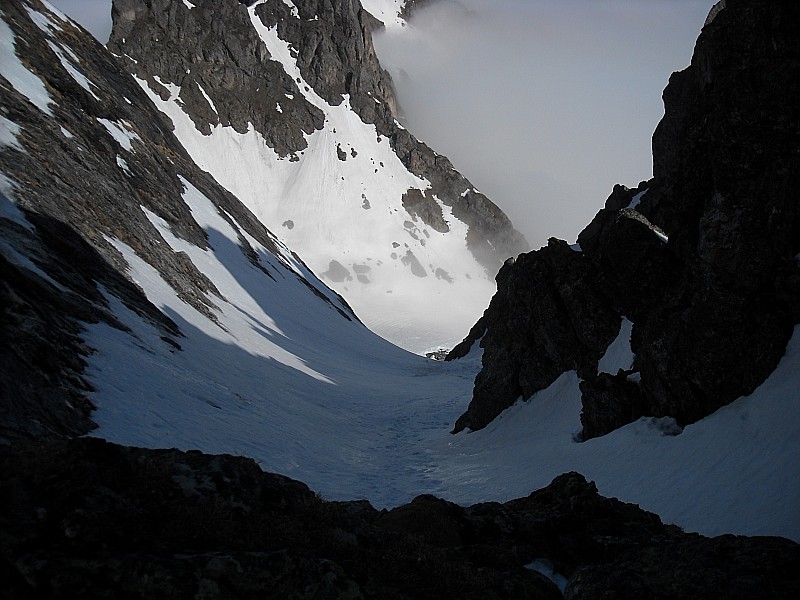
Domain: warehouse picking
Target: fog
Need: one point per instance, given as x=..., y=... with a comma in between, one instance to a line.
x=543, y=104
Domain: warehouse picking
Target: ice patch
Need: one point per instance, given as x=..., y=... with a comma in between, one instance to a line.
x=20, y=78
x=123, y=136
x=618, y=355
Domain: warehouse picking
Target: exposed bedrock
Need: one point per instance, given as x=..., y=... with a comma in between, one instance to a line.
x=702, y=259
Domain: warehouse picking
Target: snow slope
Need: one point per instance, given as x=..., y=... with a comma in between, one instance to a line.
x=348, y=211
x=286, y=380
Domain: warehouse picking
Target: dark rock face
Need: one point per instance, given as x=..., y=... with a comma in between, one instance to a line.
x=214, y=46
x=213, y=50
x=561, y=321
x=704, y=264
x=90, y=519
x=333, y=42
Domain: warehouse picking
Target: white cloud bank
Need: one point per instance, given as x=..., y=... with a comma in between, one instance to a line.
x=543, y=104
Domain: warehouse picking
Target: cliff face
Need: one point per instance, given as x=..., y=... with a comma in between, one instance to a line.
x=702, y=259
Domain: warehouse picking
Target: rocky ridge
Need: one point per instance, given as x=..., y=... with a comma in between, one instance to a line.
x=85, y=518
x=702, y=259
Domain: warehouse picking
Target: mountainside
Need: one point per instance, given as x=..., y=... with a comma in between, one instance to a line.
x=682, y=294
x=162, y=349
x=286, y=105
x=93, y=180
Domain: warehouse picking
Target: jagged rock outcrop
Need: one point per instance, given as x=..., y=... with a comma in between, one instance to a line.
x=702, y=259
x=91, y=519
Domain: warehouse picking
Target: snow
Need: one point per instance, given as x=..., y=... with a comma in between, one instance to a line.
x=618, y=354
x=41, y=21
x=347, y=211
x=386, y=11
x=732, y=472
x=121, y=133
x=545, y=567
x=291, y=5
x=23, y=80
x=8, y=208
x=637, y=198
x=122, y=164
x=282, y=377
x=8, y=134
x=208, y=99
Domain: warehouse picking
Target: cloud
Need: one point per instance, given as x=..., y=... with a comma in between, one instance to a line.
x=93, y=15
x=543, y=104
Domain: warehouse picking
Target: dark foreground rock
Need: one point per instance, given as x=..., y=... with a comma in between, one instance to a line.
x=86, y=518
x=702, y=259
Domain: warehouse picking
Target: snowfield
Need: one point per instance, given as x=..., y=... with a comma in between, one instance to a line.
x=285, y=378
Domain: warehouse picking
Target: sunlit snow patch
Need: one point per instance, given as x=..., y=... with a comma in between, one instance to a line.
x=121, y=133
x=386, y=11
x=23, y=80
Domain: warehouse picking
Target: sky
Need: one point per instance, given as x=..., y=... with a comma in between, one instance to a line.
x=94, y=15
x=543, y=104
